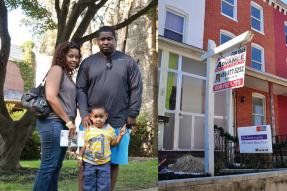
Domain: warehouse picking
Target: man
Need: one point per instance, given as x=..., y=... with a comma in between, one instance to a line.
x=112, y=79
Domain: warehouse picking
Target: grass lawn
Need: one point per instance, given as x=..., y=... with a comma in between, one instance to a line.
x=139, y=174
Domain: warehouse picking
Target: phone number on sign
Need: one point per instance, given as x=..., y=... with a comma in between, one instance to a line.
x=227, y=85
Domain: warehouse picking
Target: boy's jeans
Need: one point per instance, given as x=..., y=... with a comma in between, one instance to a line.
x=52, y=155
x=97, y=177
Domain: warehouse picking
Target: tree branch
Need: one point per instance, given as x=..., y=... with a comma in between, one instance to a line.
x=57, y=8
x=92, y=10
x=71, y=23
x=4, y=55
x=122, y=24
x=65, y=9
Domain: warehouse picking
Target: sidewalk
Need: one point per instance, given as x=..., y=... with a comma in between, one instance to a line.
x=149, y=189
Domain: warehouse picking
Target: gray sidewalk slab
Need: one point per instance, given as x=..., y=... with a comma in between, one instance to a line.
x=149, y=189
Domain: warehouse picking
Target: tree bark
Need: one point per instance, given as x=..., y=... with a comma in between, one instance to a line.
x=122, y=24
x=12, y=144
x=154, y=78
x=13, y=134
x=126, y=30
x=4, y=55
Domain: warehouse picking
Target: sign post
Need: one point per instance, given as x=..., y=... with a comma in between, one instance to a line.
x=211, y=57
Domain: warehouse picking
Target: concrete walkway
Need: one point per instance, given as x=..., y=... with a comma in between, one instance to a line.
x=149, y=189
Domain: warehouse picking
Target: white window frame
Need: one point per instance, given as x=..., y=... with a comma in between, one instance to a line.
x=226, y=33
x=260, y=96
x=262, y=51
x=253, y=4
x=234, y=10
x=285, y=32
x=176, y=12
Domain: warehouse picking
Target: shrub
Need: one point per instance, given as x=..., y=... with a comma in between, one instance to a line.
x=141, y=138
x=31, y=151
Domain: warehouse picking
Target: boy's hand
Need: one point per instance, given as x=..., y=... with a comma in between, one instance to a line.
x=80, y=163
x=123, y=130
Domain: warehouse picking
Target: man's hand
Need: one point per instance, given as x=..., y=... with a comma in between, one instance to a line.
x=86, y=121
x=131, y=122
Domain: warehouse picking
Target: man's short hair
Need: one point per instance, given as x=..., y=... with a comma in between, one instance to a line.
x=106, y=29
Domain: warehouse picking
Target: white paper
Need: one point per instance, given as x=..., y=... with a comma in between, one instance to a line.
x=76, y=141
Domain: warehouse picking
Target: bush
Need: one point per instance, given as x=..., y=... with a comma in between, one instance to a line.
x=141, y=138
x=31, y=151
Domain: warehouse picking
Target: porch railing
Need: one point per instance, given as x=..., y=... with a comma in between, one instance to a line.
x=227, y=154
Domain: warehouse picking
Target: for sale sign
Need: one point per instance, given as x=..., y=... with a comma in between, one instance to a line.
x=230, y=70
x=255, y=139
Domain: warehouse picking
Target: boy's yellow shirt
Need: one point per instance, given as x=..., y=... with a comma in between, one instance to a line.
x=97, y=144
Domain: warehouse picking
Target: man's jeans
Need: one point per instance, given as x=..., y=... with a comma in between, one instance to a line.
x=52, y=155
x=97, y=177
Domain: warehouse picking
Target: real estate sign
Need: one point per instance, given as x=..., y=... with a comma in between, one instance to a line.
x=230, y=70
x=255, y=139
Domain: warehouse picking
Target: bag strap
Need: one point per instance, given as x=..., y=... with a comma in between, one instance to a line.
x=44, y=79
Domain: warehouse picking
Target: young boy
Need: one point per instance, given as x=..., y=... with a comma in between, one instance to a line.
x=95, y=155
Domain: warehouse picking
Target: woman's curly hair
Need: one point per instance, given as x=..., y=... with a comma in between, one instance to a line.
x=60, y=56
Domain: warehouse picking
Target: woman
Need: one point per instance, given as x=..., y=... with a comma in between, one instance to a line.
x=61, y=95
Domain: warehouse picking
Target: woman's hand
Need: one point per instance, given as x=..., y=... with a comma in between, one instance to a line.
x=72, y=130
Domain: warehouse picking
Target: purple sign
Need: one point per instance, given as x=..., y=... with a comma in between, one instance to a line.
x=253, y=137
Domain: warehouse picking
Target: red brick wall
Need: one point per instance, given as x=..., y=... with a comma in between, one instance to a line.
x=280, y=44
x=13, y=79
x=214, y=21
x=282, y=115
x=244, y=109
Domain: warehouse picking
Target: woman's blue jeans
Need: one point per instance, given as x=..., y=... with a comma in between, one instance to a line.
x=52, y=155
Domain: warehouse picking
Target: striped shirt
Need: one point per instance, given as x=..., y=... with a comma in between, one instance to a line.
x=97, y=144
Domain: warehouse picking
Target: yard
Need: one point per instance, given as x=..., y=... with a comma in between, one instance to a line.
x=139, y=174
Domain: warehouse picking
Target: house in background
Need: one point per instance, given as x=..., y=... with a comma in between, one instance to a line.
x=14, y=84
x=184, y=30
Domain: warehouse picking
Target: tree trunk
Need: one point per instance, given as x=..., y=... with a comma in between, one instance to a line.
x=154, y=78
x=13, y=141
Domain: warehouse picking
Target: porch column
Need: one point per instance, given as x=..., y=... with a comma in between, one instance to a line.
x=162, y=95
x=209, y=113
x=271, y=106
x=229, y=112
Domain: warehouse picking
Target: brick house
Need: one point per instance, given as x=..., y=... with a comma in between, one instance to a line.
x=14, y=84
x=262, y=100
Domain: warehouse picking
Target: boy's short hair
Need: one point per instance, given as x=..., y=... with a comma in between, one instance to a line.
x=99, y=107
x=106, y=29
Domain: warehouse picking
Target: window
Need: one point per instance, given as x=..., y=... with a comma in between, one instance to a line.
x=257, y=57
x=174, y=26
x=285, y=29
x=258, y=109
x=256, y=17
x=229, y=8
x=225, y=36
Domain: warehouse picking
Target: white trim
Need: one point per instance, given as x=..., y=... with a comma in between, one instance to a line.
x=262, y=56
x=257, y=6
x=260, y=96
x=226, y=33
x=234, y=18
